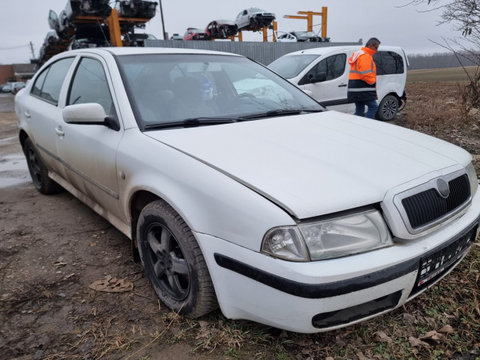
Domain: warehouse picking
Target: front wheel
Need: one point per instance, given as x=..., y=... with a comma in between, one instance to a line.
x=388, y=108
x=173, y=261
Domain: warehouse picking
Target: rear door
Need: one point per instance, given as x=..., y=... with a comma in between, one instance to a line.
x=391, y=73
x=40, y=110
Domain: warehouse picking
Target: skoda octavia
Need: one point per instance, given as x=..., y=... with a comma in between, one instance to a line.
x=239, y=191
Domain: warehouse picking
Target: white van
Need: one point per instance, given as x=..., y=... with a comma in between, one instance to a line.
x=323, y=73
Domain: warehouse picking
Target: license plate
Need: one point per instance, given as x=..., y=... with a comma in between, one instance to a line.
x=439, y=262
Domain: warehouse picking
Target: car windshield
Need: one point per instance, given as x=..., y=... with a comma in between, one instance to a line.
x=206, y=89
x=291, y=65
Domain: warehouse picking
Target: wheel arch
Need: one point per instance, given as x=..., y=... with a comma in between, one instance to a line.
x=138, y=201
x=22, y=136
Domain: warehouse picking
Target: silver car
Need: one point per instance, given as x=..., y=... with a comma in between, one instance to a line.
x=238, y=190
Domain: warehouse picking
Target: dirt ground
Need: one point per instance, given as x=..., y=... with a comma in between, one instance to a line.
x=53, y=250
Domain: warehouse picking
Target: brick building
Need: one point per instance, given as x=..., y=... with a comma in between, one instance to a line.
x=16, y=72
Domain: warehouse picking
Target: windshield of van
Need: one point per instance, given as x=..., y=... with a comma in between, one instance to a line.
x=291, y=65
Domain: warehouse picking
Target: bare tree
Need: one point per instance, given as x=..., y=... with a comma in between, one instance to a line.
x=465, y=17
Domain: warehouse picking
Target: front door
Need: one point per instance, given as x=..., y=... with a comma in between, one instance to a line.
x=88, y=151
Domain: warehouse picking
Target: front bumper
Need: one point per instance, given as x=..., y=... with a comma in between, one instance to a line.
x=329, y=294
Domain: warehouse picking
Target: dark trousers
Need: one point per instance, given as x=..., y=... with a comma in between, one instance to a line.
x=372, y=108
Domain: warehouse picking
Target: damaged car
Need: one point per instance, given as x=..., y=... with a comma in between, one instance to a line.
x=221, y=29
x=195, y=34
x=239, y=191
x=254, y=19
x=136, y=8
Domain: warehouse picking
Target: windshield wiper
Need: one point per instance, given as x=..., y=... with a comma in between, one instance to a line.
x=192, y=122
x=281, y=112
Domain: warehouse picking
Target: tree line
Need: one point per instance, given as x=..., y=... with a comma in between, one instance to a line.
x=439, y=60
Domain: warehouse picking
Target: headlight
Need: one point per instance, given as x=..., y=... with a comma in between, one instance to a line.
x=285, y=243
x=472, y=176
x=342, y=236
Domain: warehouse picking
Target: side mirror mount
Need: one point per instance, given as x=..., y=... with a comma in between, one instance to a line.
x=308, y=92
x=318, y=77
x=312, y=78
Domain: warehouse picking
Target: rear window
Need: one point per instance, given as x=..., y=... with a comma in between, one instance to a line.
x=388, y=62
x=291, y=66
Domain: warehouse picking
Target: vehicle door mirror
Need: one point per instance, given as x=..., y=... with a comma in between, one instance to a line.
x=312, y=78
x=308, y=92
x=90, y=113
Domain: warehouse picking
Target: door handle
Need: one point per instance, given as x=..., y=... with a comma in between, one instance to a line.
x=27, y=114
x=60, y=131
x=342, y=85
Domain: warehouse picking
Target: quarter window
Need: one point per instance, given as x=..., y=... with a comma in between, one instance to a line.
x=90, y=85
x=388, y=62
x=49, y=83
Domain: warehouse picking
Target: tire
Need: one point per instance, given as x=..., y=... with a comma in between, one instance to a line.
x=388, y=108
x=173, y=261
x=38, y=171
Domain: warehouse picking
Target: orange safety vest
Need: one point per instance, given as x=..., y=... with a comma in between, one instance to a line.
x=363, y=76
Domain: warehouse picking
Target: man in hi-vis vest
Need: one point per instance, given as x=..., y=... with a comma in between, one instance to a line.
x=362, y=81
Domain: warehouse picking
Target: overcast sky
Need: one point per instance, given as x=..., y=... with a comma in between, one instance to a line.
x=22, y=21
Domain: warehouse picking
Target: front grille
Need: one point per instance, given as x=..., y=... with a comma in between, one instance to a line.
x=427, y=206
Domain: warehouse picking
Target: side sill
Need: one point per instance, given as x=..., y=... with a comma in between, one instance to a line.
x=115, y=221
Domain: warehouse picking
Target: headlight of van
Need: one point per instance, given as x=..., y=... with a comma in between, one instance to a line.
x=472, y=176
x=326, y=239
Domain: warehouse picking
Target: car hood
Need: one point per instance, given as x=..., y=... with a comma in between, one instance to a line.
x=319, y=163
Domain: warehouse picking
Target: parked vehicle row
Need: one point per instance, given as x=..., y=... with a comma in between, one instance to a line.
x=239, y=191
x=12, y=87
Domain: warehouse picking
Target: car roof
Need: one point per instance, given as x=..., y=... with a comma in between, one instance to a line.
x=325, y=50
x=143, y=50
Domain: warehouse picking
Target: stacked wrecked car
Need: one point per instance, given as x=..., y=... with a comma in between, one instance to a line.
x=75, y=26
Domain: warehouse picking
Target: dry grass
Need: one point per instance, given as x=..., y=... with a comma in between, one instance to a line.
x=435, y=75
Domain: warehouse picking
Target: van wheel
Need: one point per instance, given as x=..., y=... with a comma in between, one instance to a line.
x=173, y=261
x=388, y=108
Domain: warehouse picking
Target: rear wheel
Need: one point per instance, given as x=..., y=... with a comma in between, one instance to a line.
x=38, y=171
x=388, y=108
x=173, y=261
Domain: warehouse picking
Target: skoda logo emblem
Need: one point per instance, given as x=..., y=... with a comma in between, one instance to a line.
x=443, y=188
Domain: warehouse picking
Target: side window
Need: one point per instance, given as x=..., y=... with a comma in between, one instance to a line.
x=90, y=85
x=377, y=58
x=389, y=62
x=333, y=67
x=49, y=83
x=37, y=86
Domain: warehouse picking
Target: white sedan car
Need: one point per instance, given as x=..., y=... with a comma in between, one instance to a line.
x=239, y=191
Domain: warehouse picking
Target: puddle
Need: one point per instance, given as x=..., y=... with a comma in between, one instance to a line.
x=8, y=141
x=13, y=170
